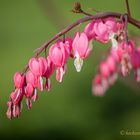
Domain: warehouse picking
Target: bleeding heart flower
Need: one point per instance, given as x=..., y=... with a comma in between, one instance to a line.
x=68, y=46
x=35, y=82
x=50, y=69
x=19, y=80
x=111, y=63
x=13, y=110
x=111, y=24
x=32, y=79
x=49, y=72
x=125, y=57
x=59, y=54
x=104, y=69
x=17, y=96
x=17, y=110
x=106, y=30
x=117, y=54
x=127, y=47
x=101, y=31
x=38, y=66
x=135, y=61
x=29, y=90
x=89, y=30
x=99, y=85
x=81, y=49
x=9, y=110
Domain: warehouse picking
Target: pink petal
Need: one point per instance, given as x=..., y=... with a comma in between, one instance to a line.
x=31, y=78
x=89, y=49
x=76, y=38
x=82, y=45
x=111, y=24
x=34, y=66
x=104, y=69
x=64, y=53
x=101, y=32
x=50, y=69
x=19, y=80
x=29, y=90
x=100, y=28
x=55, y=55
x=16, y=96
x=89, y=30
x=68, y=45
x=111, y=64
x=42, y=65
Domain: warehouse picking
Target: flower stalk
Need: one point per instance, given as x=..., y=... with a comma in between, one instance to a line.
x=103, y=27
x=100, y=15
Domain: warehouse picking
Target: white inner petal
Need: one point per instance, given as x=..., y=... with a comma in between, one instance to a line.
x=14, y=110
x=138, y=75
x=41, y=83
x=78, y=63
x=18, y=93
x=62, y=72
x=35, y=95
x=104, y=84
x=113, y=40
x=138, y=71
x=49, y=84
x=91, y=45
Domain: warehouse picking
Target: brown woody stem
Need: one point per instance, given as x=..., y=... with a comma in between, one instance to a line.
x=85, y=13
x=126, y=27
x=82, y=20
x=128, y=8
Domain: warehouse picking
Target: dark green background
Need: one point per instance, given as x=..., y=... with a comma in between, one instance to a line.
x=68, y=111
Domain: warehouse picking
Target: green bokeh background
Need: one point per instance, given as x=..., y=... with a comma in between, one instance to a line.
x=68, y=111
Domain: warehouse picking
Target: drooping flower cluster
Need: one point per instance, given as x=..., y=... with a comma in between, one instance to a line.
x=122, y=58
x=135, y=61
x=107, y=76
x=117, y=63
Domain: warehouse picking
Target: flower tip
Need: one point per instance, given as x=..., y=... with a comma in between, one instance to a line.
x=78, y=63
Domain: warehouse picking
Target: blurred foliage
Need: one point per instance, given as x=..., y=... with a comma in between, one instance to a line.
x=68, y=111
